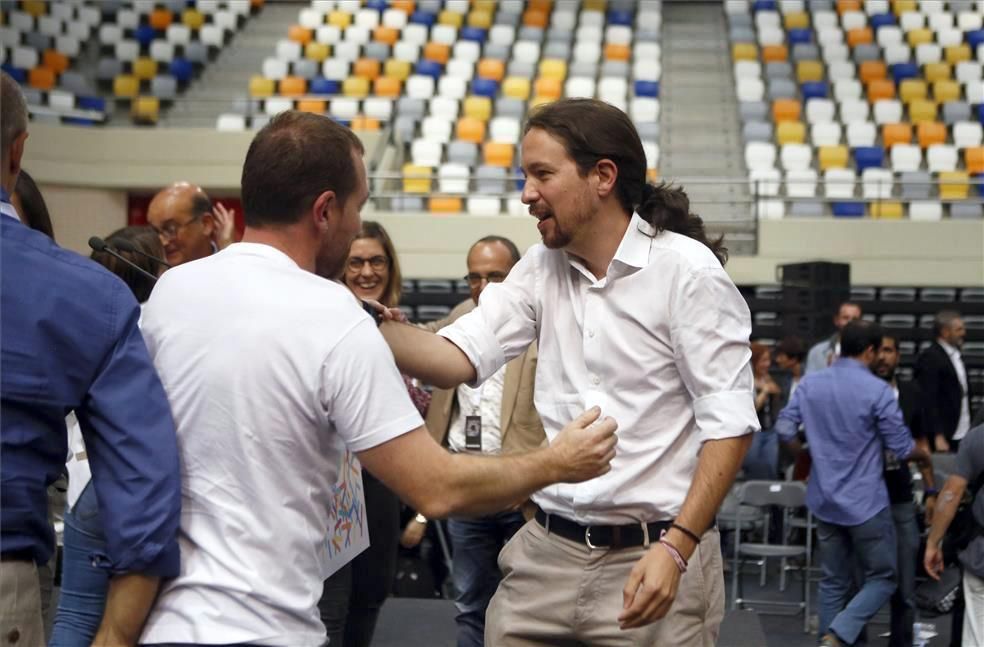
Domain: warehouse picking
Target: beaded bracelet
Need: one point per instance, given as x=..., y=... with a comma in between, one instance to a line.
x=674, y=553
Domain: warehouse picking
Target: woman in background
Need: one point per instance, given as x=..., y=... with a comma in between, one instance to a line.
x=353, y=596
x=762, y=459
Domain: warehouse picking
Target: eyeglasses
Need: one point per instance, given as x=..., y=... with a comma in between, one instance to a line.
x=377, y=263
x=474, y=278
x=170, y=229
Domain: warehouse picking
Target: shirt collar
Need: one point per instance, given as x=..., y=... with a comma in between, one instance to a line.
x=952, y=351
x=850, y=362
x=633, y=250
x=7, y=207
x=260, y=249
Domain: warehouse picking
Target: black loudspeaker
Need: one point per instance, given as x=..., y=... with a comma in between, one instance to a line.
x=811, y=293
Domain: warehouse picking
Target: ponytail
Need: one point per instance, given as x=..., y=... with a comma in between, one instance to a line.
x=667, y=208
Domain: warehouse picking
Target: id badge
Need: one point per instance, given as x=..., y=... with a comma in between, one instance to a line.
x=473, y=433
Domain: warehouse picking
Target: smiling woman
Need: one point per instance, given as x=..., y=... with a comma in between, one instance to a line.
x=372, y=270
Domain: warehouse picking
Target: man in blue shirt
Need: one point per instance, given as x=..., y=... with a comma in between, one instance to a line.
x=851, y=417
x=69, y=341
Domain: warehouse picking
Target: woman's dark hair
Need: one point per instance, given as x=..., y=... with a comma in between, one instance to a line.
x=33, y=210
x=793, y=347
x=146, y=240
x=858, y=335
x=394, y=286
x=592, y=130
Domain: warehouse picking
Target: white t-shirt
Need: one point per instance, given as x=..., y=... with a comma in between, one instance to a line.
x=660, y=344
x=270, y=372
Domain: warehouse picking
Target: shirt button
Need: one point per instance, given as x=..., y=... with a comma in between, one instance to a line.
x=590, y=333
x=595, y=380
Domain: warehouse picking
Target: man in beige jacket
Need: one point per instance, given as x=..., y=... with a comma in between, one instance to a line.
x=498, y=417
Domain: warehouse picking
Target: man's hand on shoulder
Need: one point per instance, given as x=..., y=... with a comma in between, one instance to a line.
x=584, y=448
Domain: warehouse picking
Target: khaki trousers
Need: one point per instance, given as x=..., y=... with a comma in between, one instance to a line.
x=560, y=593
x=20, y=605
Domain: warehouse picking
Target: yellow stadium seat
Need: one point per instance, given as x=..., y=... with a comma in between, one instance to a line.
x=832, y=157
x=126, y=85
x=885, y=210
x=944, y=91
x=387, y=35
x=193, y=18
x=365, y=124
x=260, y=86
x=902, y=6
x=491, y=68
x=797, y=20
x=317, y=51
x=478, y=108
x=450, y=18
x=919, y=36
x=775, y=53
x=869, y=71
x=848, y=5
x=893, y=134
x=367, y=68
x=416, y=179
x=912, y=89
x=146, y=109
x=445, y=205
x=160, y=19
x=36, y=8
x=387, y=86
x=439, y=52
x=144, y=68
x=930, y=132
x=922, y=110
x=548, y=88
x=42, y=78
x=974, y=159
x=957, y=53
x=397, y=69
x=406, y=6
x=498, y=154
x=535, y=18
x=292, y=86
x=355, y=86
x=470, y=129
x=516, y=87
x=484, y=5
x=300, y=34
x=937, y=72
x=538, y=100
x=954, y=185
x=316, y=106
x=480, y=19
x=744, y=52
x=790, y=132
x=340, y=19
x=553, y=68
x=809, y=71
x=617, y=52
x=880, y=89
x=55, y=60
x=594, y=5
x=786, y=110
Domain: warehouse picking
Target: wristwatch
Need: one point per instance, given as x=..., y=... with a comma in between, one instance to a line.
x=420, y=518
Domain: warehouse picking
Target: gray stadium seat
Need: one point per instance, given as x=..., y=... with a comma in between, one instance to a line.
x=378, y=51
x=805, y=52
x=555, y=35
x=493, y=50
x=618, y=69
x=510, y=107
x=74, y=82
x=38, y=41
x=33, y=96
x=778, y=70
x=781, y=89
x=648, y=130
x=164, y=87
x=407, y=107
x=740, y=20
x=741, y=34
x=525, y=69
x=490, y=180
x=966, y=211
x=196, y=52
x=867, y=52
x=405, y=128
x=757, y=131
x=806, y=209
x=506, y=17
x=462, y=152
x=915, y=185
x=753, y=110
x=534, y=34
x=306, y=68
x=557, y=49
x=646, y=35
x=954, y=111
x=108, y=69
x=408, y=203
x=583, y=68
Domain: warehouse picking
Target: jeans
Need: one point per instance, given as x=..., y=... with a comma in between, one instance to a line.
x=83, y=586
x=762, y=460
x=476, y=544
x=873, y=545
x=352, y=597
x=903, y=607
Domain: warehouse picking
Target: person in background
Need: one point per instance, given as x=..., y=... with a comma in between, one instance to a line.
x=84, y=585
x=790, y=354
x=189, y=224
x=762, y=460
x=825, y=352
x=942, y=377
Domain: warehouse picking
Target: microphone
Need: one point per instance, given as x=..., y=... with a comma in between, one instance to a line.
x=127, y=246
x=99, y=245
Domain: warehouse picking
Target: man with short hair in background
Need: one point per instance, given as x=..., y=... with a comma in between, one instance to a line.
x=824, y=353
x=189, y=224
x=942, y=376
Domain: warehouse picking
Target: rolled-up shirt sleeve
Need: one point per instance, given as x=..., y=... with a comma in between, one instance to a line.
x=132, y=448
x=504, y=323
x=710, y=327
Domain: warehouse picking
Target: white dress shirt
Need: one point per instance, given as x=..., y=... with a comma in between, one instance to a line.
x=660, y=344
x=270, y=372
x=485, y=401
x=963, y=425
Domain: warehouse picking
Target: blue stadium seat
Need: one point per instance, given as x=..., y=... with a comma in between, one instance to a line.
x=378, y=5
x=881, y=20
x=145, y=34
x=980, y=178
x=15, y=73
x=423, y=18
x=868, y=157
x=814, y=90
x=800, y=36
x=430, y=68
x=344, y=122
x=764, y=5
x=77, y=121
x=980, y=113
x=182, y=69
x=647, y=88
x=485, y=87
x=974, y=38
x=476, y=34
x=848, y=209
x=321, y=85
x=620, y=18
x=903, y=71
x=92, y=103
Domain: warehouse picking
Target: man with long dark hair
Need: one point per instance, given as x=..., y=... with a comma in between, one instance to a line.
x=634, y=313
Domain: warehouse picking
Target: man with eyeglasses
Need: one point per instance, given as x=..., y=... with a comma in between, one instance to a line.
x=497, y=417
x=189, y=224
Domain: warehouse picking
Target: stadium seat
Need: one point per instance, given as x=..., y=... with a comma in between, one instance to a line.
x=795, y=157
x=967, y=134
x=905, y=157
x=757, y=131
x=877, y=183
x=825, y=134
x=954, y=185
x=145, y=109
x=436, y=129
x=888, y=112
x=801, y=183
x=861, y=133
x=974, y=160
x=885, y=210
x=839, y=183
x=848, y=209
x=925, y=210
x=922, y=110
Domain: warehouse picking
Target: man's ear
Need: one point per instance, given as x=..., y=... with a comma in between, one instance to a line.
x=607, y=176
x=16, y=154
x=322, y=211
x=208, y=223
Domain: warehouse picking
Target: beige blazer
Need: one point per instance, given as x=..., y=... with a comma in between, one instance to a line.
x=521, y=427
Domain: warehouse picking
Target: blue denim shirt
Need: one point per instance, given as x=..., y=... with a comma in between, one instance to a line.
x=851, y=416
x=69, y=341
